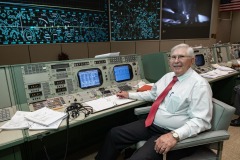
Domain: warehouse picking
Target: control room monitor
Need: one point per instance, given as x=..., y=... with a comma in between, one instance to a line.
x=236, y=53
x=123, y=72
x=89, y=78
x=199, y=60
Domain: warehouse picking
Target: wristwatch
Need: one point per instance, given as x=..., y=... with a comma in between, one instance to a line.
x=175, y=135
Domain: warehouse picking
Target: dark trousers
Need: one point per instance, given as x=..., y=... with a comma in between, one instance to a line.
x=124, y=136
x=237, y=100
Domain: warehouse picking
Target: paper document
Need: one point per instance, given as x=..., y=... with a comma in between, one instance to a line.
x=215, y=73
x=107, y=102
x=209, y=74
x=17, y=121
x=118, y=101
x=36, y=126
x=45, y=116
x=113, y=54
x=223, y=68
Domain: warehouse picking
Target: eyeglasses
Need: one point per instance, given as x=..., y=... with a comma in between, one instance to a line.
x=179, y=57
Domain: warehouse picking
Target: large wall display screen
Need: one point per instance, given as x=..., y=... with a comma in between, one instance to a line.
x=183, y=19
x=33, y=24
x=135, y=20
x=83, y=4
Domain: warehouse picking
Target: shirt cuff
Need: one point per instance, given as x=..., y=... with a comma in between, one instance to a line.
x=183, y=132
x=132, y=95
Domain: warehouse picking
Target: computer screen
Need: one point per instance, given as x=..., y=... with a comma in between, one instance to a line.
x=89, y=78
x=199, y=60
x=123, y=72
x=236, y=53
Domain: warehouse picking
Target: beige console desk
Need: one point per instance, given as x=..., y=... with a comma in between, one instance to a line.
x=9, y=144
x=222, y=87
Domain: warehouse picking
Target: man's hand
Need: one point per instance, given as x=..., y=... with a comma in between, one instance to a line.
x=165, y=143
x=122, y=94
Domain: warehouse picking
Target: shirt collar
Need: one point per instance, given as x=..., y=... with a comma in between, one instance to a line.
x=185, y=75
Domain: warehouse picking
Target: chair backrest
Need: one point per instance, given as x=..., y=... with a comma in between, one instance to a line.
x=222, y=115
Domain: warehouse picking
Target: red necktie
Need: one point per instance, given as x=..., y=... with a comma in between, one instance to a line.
x=158, y=101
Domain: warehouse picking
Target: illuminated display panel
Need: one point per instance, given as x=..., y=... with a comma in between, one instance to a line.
x=89, y=78
x=59, y=82
x=93, y=4
x=35, y=94
x=184, y=19
x=64, y=89
x=135, y=20
x=34, y=86
x=38, y=24
x=123, y=73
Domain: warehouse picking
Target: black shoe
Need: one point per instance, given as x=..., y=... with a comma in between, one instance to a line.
x=235, y=122
x=128, y=152
x=235, y=119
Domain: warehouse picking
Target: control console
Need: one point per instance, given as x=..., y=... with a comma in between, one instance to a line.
x=58, y=84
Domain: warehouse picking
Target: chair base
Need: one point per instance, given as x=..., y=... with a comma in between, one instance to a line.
x=202, y=154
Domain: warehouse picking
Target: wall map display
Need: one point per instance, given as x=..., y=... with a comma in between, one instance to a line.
x=81, y=4
x=42, y=22
x=34, y=24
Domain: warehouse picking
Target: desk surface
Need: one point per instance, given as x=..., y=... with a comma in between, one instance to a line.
x=9, y=138
x=222, y=77
x=33, y=134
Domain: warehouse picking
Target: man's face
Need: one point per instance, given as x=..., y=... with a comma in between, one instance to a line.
x=180, y=62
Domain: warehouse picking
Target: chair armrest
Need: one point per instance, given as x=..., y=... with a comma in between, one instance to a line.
x=142, y=110
x=207, y=137
x=204, y=138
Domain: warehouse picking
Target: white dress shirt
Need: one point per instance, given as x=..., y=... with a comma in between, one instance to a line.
x=187, y=109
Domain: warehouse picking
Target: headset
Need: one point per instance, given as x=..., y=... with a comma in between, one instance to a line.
x=75, y=108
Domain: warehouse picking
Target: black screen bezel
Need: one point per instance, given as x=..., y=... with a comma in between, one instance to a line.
x=198, y=55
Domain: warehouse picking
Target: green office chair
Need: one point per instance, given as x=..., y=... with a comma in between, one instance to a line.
x=211, y=140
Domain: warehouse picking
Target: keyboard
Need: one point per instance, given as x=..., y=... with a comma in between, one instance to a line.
x=125, y=88
x=4, y=115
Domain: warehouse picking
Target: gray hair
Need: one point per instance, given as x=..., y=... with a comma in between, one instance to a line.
x=189, y=49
